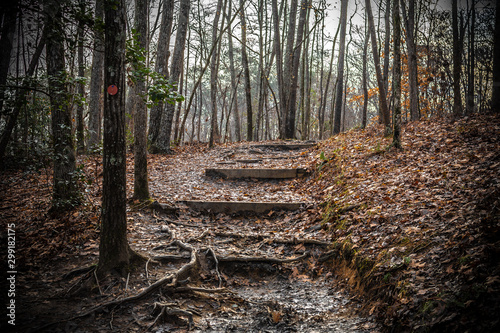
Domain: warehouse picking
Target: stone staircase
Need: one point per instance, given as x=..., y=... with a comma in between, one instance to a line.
x=248, y=174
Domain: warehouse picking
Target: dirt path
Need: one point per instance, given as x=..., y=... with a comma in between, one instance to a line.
x=293, y=297
x=261, y=294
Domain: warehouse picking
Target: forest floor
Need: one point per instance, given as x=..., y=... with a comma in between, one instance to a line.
x=398, y=240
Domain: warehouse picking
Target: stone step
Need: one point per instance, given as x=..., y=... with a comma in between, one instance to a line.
x=255, y=173
x=285, y=146
x=232, y=207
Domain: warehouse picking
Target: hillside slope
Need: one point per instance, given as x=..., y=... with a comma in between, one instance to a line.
x=417, y=231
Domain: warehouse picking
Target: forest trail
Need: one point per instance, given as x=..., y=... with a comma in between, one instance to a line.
x=260, y=221
x=268, y=259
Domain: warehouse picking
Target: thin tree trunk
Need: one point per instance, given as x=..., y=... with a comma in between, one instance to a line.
x=340, y=69
x=292, y=106
x=472, y=63
x=80, y=126
x=396, y=113
x=246, y=73
x=365, y=81
x=162, y=144
x=161, y=66
x=237, y=121
x=214, y=135
x=495, y=93
x=457, y=61
x=387, y=49
x=141, y=185
x=382, y=96
x=279, y=66
x=412, y=58
x=96, y=80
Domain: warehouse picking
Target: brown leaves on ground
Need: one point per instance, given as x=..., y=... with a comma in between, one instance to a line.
x=420, y=225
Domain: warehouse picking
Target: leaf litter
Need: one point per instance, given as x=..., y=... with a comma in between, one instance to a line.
x=413, y=236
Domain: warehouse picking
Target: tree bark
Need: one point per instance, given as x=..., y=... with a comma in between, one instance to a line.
x=495, y=93
x=65, y=188
x=288, y=68
x=365, y=79
x=163, y=142
x=234, y=85
x=340, y=69
x=96, y=80
x=141, y=186
x=472, y=64
x=246, y=71
x=457, y=61
x=214, y=66
x=80, y=126
x=161, y=66
x=409, y=21
x=382, y=96
x=292, y=107
x=279, y=65
x=396, y=80
x=114, y=250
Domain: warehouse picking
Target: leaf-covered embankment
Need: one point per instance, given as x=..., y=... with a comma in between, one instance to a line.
x=417, y=230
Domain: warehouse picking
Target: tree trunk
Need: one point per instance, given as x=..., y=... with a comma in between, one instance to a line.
x=387, y=57
x=288, y=68
x=141, y=186
x=396, y=80
x=161, y=66
x=246, y=71
x=8, y=18
x=214, y=65
x=237, y=121
x=96, y=80
x=365, y=81
x=80, y=126
x=472, y=64
x=163, y=142
x=457, y=61
x=495, y=94
x=412, y=58
x=65, y=187
x=292, y=106
x=340, y=69
x=382, y=96
x=279, y=66
x=114, y=250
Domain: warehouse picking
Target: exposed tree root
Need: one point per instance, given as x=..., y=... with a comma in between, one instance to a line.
x=294, y=240
x=261, y=259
